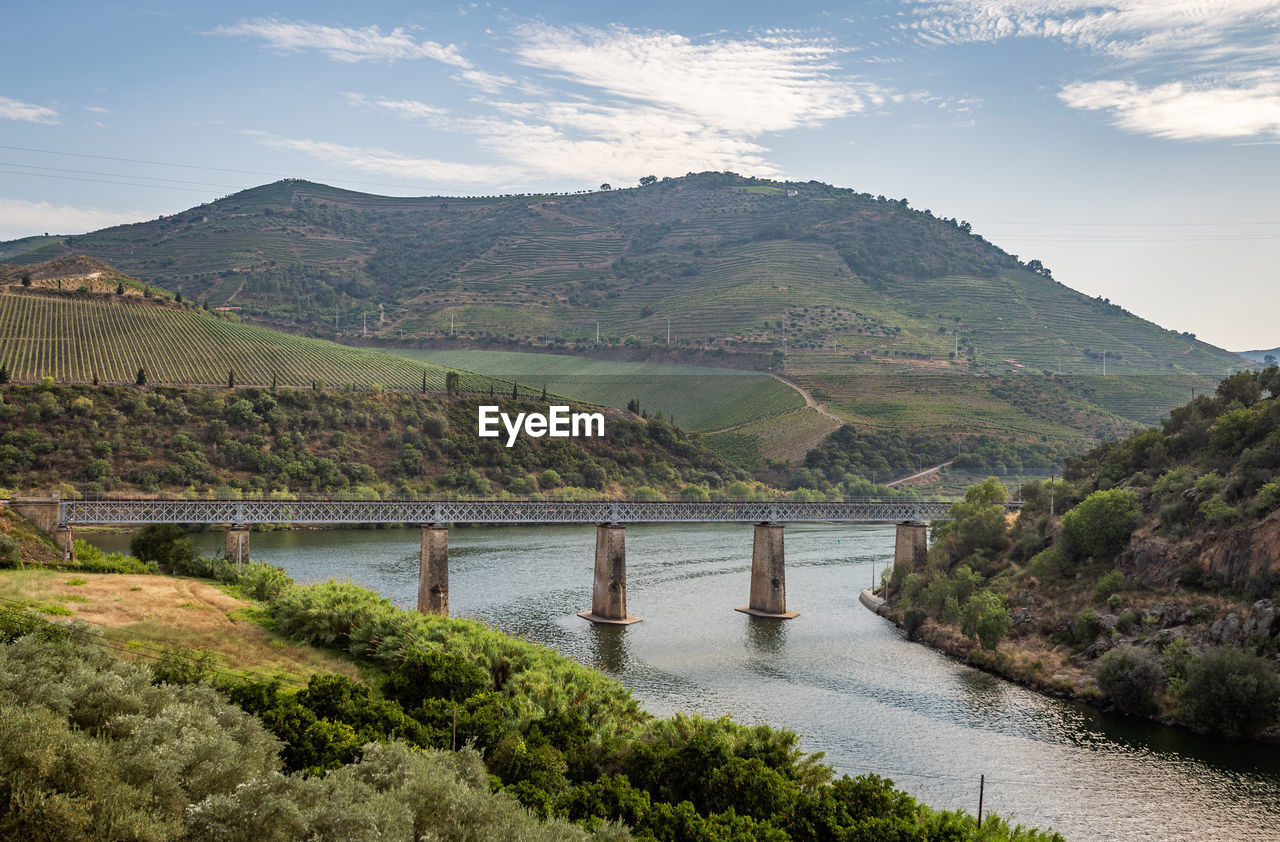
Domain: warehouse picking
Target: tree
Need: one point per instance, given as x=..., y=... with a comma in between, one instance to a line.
x=1269, y=359
x=986, y=619
x=120, y=288
x=167, y=544
x=1229, y=692
x=1039, y=268
x=1101, y=524
x=1129, y=677
x=515, y=391
x=231, y=378
x=978, y=524
x=606, y=186
x=645, y=181
x=177, y=297
x=1243, y=386
x=544, y=393
x=26, y=279
x=141, y=379
x=451, y=383
x=4, y=374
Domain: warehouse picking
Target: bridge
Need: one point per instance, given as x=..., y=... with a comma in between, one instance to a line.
x=609, y=595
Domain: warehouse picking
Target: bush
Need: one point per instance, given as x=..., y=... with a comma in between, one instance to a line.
x=1100, y=525
x=1086, y=626
x=92, y=559
x=912, y=620
x=1229, y=692
x=167, y=544
x=10, y=550
x=262, y=581
x=986, y=619
x=1129, y=678
x=1108, y=585
x=1048, y=565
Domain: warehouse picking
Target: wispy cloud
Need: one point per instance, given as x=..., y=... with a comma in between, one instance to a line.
x=387, y=162
x=13, y=109
x=344, y=43
x=21, y=218
x=1182, y=112
x=1191, y=69
x=400, y=107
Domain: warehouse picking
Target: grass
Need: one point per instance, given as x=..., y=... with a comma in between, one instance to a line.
x=698, y=398
x=141, y=614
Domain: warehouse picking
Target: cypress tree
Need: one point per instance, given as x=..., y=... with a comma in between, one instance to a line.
x=231, y=378
x=4, y=374
x=141, y=379
x=515, y=391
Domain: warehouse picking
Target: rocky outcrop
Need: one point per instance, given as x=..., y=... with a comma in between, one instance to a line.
x=1241, y=557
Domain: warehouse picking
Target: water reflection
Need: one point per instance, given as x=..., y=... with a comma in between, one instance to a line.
x=766, y=636
x=609, y=647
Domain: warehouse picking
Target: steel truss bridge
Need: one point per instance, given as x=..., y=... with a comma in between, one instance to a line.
x=334, y=512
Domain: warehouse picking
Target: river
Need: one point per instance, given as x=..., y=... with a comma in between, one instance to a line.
x=844, y=679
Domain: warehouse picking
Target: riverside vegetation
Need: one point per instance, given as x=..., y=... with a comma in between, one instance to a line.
x=1147, y=579
x=457, y=732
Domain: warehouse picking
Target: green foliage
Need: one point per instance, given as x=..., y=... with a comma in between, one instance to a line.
x=177, y=665
x=1101, y=524
x=1229, y=692
x=166, y=544
x=1048, y=565
x=985, y=618
x=1108, y=585
x=912, y=620
x=92, y=559
x=1129, y=678
x=10, y=550
x=1086, y=626
x=978, y=527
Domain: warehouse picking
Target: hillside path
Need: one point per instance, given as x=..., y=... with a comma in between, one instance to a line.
x=809, y=402
x=919, y=474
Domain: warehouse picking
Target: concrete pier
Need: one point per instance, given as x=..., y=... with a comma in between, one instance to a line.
x=911, y=546
x=768, y=575
x=609, y=585
x=42, y=512
x=66, y=542
x=237, y=547
x=433, y=571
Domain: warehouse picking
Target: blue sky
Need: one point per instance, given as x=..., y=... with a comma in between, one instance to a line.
x=1130, y=145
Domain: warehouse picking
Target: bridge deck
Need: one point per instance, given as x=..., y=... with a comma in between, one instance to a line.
x=331, y=512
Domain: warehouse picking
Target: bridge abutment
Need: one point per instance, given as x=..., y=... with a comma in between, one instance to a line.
x=768, y=575
x=237, y=545
x=433, y=571
x=609, y=584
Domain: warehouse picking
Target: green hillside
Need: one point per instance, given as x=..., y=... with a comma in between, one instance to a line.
x=80, y=337
x=731, y=262
x=695, y=397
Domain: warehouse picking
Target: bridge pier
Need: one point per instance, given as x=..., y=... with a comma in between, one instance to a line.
x=65, y=541
x=768, y=575
x=911, y=545
x=609, y=584
x=237, y=546
x=433, y=570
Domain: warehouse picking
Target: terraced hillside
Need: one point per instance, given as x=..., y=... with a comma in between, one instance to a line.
x=728, y=262
x=696, y=397
x=79, y=338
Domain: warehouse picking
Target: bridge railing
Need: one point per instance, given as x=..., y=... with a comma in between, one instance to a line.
x=333, y=512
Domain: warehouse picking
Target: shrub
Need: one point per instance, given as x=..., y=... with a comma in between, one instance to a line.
x=92, y=559
x=1048, y=565
x=1129, y=678
x=167, y=544
x=912, y=620
x=1108, y=585
x=1086, y=626
x=262, y=581
x=1229, y=692
x=986, y=619
x=1100, y=525
x=10, y=550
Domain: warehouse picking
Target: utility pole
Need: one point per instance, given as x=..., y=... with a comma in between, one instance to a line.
x=1104, y=363
x=982, y=783
x=597, y=331
x=957, y=335
x=451, y=324
x=364, y=324
x=784, y=333
x=668, y=333
x=335, y=317
x=1051, y=490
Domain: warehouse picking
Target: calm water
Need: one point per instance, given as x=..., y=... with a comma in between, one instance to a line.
x=840, y=676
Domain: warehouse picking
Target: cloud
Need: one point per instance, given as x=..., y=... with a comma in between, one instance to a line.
x=1182, y=112
x=750, y=86
x=344, y=43
x=401, y=107
x=1130, y=29
x=386, y=162
x=97, y=109
x=12, y=109
x=1192, y=69
x=21, y=218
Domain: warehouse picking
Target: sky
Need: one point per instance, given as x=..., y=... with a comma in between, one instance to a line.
x=1133, y=146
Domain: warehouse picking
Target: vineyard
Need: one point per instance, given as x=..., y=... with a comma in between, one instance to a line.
x=695, y=397
x=77, y=339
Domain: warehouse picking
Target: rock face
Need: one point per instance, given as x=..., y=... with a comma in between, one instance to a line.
x=1239, y=557
x=1236, y=557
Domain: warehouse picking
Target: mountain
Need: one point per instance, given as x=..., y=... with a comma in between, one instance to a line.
x=1261, y=356
x=743, y=263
